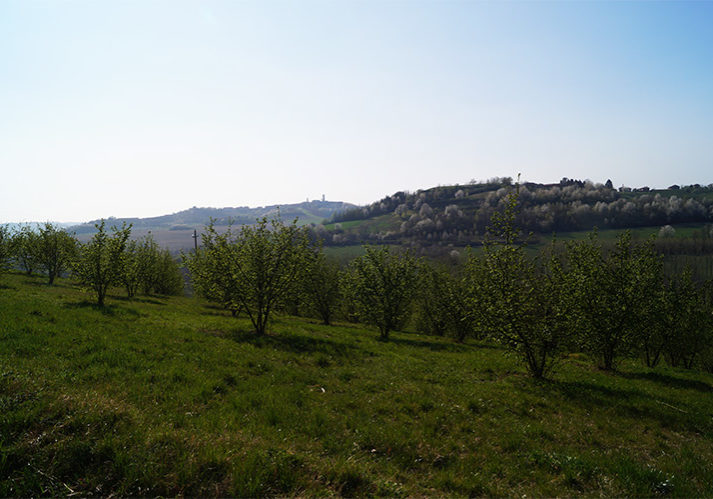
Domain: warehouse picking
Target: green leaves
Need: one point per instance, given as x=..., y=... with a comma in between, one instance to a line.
x=27, y=248
x=519, y=302
x=381, y=284
x=252, y=269
x=320, y=286
x=613, y=294
x=147, y=268
x=7, y=248
x=56, y=249
x=101, y=259
x=445, y=303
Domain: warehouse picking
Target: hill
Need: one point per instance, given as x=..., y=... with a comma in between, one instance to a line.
x=434, y=221
x=460, y=214
x=171, y=396
x=175, y=231
x=196, y=218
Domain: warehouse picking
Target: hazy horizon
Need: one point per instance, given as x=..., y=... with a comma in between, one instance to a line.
x=88, y=219
x=138, y=109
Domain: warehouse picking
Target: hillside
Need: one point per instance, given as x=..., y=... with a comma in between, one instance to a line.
x=170, y=396
x=459, y=215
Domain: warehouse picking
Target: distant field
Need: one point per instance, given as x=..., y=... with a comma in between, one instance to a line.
x=682, y=230
x=171, y=396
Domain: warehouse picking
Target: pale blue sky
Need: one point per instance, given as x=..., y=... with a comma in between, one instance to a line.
x=144, y=108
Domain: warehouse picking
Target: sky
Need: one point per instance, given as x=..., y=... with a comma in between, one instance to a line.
x=143, y=108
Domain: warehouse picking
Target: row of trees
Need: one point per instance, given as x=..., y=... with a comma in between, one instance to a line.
x=105, y=261
x=581, y=296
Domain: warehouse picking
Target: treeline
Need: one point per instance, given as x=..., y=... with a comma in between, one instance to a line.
x=462, y=214
x=107, y=260
x=611, y=303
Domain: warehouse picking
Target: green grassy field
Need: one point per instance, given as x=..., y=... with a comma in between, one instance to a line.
x=169, y=396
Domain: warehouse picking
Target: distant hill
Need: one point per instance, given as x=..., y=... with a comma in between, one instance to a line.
x=455, y=215
x=196, y=218
x=460, y=214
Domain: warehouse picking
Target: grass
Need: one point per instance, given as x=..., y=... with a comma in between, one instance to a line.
x=171, y=396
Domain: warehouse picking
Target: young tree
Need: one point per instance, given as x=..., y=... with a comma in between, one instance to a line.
x=27, y=248
x=55, y=250
x=253, y=270
x=444, y=303
x=320, y=286
x=613, y=294
x=149, y=269
x=382, y=284
x=99, y=264
x=211, y=270
x=687, y=320
x=520, y=305
x=167, y=276
x=7, y=248
x=134, y=267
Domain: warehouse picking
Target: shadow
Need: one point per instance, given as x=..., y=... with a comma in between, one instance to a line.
x=438, y=346
x=108, y=310
x=5, y=286
x=221, y=313
x=43, y=281
x=431, y=345
x=665, y=379
x=633, y=403
x=589, y=392
x=294, y=344
x=139, y=299
x=40, y=284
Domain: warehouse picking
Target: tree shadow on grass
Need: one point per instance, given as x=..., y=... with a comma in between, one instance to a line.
x=109, y=310
x=439, y=346
x=295, y=344
x=44, y=283
x=139, y=299
x=5, y=286
x=670, y=381
x=636, y=404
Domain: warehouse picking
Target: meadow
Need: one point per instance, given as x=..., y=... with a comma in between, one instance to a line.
x=173, y=396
